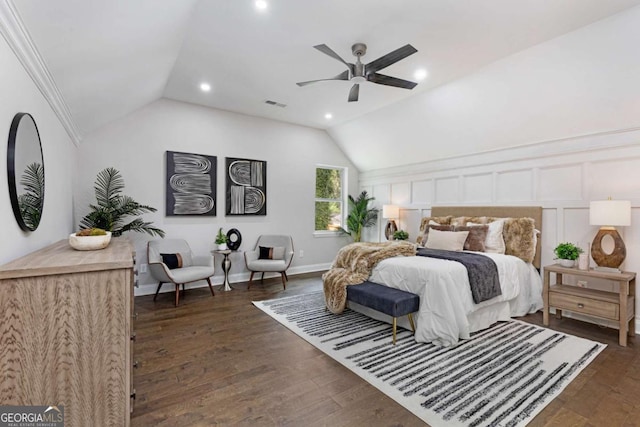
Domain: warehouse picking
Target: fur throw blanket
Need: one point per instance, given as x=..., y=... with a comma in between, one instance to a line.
x=353, y=265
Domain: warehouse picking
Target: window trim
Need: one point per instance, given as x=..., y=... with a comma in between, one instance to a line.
x=343, y=199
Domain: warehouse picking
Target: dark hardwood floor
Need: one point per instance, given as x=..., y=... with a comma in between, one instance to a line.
x=221, y=361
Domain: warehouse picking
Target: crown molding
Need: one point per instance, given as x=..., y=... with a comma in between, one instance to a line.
x=18, y=38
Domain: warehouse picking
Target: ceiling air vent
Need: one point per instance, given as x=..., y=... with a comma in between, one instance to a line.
x=274, y=103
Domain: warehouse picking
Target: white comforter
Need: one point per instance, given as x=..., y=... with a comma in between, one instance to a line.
x=447, y=311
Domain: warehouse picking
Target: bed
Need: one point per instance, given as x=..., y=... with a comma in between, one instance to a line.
x=448, y=312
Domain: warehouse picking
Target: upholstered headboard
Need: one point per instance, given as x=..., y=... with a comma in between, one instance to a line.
x=534, y=212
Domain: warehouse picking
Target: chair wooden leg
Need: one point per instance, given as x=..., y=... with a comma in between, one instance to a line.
x=262, y=277
x=157, y=291
x=284, y=282
x=210, y=287
x=250, y=279
x=285, y=275
x=177, y=293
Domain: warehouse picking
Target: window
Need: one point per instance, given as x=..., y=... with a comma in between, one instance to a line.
x=330, y=198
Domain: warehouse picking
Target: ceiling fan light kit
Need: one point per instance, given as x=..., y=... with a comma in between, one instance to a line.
x=359, y=73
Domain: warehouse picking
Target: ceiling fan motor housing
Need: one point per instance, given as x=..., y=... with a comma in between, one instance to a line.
x=359, y=49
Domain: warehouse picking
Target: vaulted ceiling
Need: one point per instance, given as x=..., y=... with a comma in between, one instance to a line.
x=109, y=58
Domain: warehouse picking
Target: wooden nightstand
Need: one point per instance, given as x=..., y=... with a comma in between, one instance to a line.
x=619, y=306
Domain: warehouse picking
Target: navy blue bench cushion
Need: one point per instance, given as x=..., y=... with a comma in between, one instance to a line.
x=391, y=301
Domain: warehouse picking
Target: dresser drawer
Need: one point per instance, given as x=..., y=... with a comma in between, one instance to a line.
x=578, y=304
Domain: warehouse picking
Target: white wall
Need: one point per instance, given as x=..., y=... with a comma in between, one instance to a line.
x=584, y=82
x=568, y=108
x=19, y=94
x=561, y=176
x=136, y=146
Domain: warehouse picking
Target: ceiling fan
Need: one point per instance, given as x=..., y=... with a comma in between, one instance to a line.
x=360, y=73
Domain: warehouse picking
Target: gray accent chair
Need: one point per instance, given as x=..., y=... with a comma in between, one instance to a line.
x=282, y=256
x=192, y=270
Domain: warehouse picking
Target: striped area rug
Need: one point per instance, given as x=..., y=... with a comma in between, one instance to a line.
x=502, y=376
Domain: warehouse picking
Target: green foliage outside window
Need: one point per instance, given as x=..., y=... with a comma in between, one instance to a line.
x=328, y=199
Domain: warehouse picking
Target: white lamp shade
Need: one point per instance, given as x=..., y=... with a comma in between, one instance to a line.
x=390, y=211
x=610, y=213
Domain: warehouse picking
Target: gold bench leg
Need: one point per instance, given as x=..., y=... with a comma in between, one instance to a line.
x=395, y=322
x=413, y=327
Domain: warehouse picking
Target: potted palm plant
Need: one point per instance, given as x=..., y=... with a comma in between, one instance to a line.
x=360, y=215
x=113, y=210
x=567, y=254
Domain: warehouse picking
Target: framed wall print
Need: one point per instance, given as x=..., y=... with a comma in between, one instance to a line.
x=190, y=184
x=246, y=188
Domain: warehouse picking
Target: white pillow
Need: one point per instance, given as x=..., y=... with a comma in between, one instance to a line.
x=494, y=242
x=446, y=240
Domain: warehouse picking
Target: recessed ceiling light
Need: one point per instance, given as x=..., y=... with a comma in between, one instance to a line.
x=261, y=4
x=205, y=87
x=420, y=74
x=328, y=116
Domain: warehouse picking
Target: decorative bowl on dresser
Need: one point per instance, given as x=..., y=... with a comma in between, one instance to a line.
x=66, y=332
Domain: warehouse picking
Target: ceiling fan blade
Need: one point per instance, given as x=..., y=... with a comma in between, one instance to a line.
x=389, y=59
x=381, y=79
x=328, y=51
x=353, y=93
x=342, y=76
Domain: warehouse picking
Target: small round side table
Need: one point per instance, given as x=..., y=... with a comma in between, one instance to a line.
x=226, y=266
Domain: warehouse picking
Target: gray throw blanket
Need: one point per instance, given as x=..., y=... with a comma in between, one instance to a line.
x=483, y=272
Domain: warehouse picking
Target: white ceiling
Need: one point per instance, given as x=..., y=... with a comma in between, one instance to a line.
x=109, y=58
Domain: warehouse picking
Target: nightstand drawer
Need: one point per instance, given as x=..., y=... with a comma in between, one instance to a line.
x=583, y=305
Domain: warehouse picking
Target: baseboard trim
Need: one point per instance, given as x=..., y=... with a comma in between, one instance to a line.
x=150, y=288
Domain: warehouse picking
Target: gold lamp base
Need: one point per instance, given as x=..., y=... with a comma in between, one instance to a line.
x=603, y=259
x=390, y=229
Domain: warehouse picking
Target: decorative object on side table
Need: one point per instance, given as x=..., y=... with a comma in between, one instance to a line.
x=90, y=239
x=400, y=235
x=390, y=213
x=112, y=209
x=608, y=214
x=234, y=239
x=221, y=240
x=567, y=254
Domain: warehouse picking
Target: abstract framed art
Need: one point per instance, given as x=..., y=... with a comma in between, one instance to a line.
x=191, y=184
x=246, y=187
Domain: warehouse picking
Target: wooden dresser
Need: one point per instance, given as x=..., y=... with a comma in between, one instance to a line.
x=66, y=332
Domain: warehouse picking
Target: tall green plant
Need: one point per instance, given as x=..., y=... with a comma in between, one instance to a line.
x=360, y=215
x=112, y=209
x=32, y=200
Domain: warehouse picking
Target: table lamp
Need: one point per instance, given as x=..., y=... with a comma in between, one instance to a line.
x=609, y=214
x=390, y=212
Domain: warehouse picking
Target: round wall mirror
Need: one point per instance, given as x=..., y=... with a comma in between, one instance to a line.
x=25, y=169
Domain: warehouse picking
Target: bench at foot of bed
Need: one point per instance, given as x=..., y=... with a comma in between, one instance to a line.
x=390, y=301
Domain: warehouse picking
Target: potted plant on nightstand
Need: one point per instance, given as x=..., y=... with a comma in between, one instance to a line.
x=221, y=240
x=567, y=254
x=400, y=235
